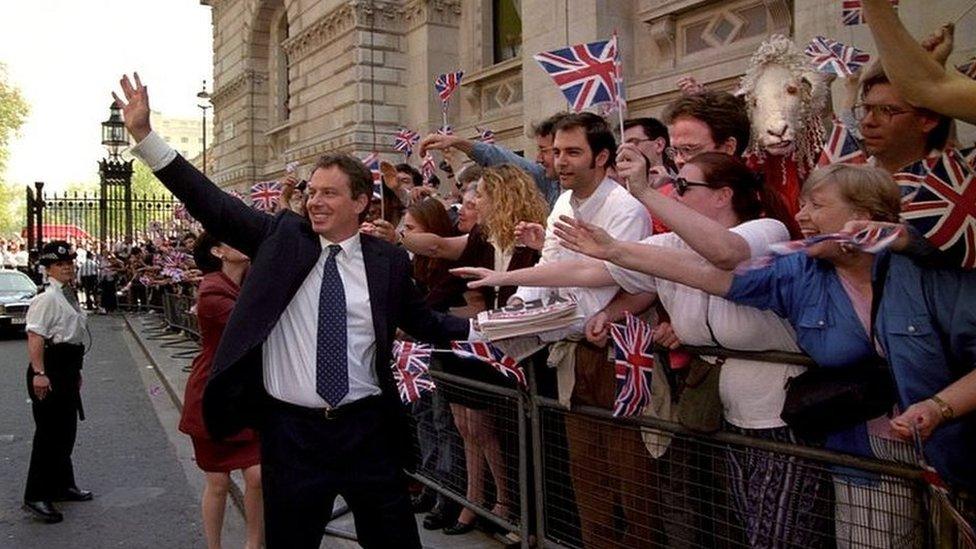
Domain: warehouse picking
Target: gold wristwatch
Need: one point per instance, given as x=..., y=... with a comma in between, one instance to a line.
x=944, y=408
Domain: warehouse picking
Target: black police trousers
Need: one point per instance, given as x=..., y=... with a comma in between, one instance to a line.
x=56, y=423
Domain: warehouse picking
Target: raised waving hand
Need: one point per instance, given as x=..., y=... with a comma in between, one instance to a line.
x=135, y=107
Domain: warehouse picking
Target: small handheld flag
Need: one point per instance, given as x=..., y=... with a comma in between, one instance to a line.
x=852, y=11
x=411, y=369
x=404, y=140
x=633, y=365
x=830, y=57
x=446, y=84
x=264, y=196
x=841, y=147
x=486, y=352
x=587, y=74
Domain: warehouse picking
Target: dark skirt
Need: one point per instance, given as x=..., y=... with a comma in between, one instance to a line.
x=475, y=370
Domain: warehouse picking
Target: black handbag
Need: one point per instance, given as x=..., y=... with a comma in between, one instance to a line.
x=824, y=400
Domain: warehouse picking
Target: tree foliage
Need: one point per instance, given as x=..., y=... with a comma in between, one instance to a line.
x=13, y=113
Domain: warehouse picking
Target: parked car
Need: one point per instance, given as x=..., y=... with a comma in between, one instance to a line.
x=16, y=291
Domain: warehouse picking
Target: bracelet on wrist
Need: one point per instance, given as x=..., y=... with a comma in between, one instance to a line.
x=944, y=408
x=40, y=374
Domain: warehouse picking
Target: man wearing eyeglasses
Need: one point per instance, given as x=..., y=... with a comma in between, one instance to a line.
x=650, y=137
x=706, y=122
x=895, y=133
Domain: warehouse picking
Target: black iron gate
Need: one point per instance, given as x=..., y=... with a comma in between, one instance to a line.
x=103, y=220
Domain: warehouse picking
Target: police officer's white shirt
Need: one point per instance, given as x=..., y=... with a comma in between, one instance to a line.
x=52, y=317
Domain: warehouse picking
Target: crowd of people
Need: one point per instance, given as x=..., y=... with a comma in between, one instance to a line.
x=674, y=223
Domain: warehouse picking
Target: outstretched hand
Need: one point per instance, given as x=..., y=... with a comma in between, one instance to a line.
x=530, y=235
x=135, y=108
x=584, y=238
x=480, y=277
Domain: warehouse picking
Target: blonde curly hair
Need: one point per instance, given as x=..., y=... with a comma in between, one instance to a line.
x=514, y=197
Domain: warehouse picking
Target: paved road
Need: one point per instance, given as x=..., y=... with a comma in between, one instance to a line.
x=143, y=497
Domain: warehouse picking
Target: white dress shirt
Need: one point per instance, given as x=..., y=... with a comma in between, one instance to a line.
x=610, y=207
x=52, y=317
x=289, y=354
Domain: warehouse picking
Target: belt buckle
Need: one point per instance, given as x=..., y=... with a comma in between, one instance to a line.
x=330, y=413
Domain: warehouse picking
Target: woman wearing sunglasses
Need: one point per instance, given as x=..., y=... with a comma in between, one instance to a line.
x=717, y=215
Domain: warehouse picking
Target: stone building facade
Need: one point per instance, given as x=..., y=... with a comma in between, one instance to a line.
x=294, y=79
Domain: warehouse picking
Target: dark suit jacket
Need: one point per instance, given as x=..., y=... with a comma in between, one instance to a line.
x=283, y=249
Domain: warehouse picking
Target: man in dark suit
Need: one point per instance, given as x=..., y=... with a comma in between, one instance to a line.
x=305, y=355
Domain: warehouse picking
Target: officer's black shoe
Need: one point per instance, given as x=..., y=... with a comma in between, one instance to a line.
x=75, y=494
x=44, y=510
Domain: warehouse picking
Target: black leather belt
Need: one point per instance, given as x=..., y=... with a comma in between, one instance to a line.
x=343, y=411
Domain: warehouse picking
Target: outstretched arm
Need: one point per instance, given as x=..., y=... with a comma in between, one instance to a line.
x=581, y=273
x=432, y=245
x=722, y=247
x=920, y=78
x=226, y=217
x=677, y=265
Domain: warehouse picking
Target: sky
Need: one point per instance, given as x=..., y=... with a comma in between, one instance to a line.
x=67, y=56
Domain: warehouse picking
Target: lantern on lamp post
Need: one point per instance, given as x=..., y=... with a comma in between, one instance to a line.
x=203, y=101
x=114, y=173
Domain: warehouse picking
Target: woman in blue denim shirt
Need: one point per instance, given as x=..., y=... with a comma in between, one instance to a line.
x=826, y=295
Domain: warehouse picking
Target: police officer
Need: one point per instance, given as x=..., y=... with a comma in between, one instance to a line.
x=55, y=334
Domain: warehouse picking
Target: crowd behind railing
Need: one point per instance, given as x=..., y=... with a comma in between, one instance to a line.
x=730, y=438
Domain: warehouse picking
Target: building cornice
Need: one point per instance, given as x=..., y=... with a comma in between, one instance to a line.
x=380, y=15
x=235, y=87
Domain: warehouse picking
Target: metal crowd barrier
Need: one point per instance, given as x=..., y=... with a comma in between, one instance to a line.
x=574, y=478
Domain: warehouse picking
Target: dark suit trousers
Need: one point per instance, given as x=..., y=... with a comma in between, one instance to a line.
x=307, y=460
x=56, y=423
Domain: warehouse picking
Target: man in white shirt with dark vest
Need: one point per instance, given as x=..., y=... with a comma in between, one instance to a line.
x=306, y=354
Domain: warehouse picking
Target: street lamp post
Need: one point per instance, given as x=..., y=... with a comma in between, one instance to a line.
x=203, y=101
x=114, y=172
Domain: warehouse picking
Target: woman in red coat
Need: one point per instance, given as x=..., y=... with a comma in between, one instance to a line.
x=223, y=268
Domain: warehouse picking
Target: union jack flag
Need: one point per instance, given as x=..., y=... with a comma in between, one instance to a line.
x=486, y=352
x=485, y=135
x=404, y=140
x=372, y=161
x=943, y=208
x=968, y=68
x=445, y=130
x=428, y=167
x=447, y=83
x=633, y=364
x=871, y=240
x=411, y=369
x=587, y=74
x=852, y=11
x=841, y=147
x=264, y=195
x=910, y=180
x=832, y=57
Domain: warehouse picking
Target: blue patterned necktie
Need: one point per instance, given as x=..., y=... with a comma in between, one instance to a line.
x=331, y=371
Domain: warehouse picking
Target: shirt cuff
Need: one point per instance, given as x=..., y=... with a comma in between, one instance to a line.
x=153, y=152
x=474, y=335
